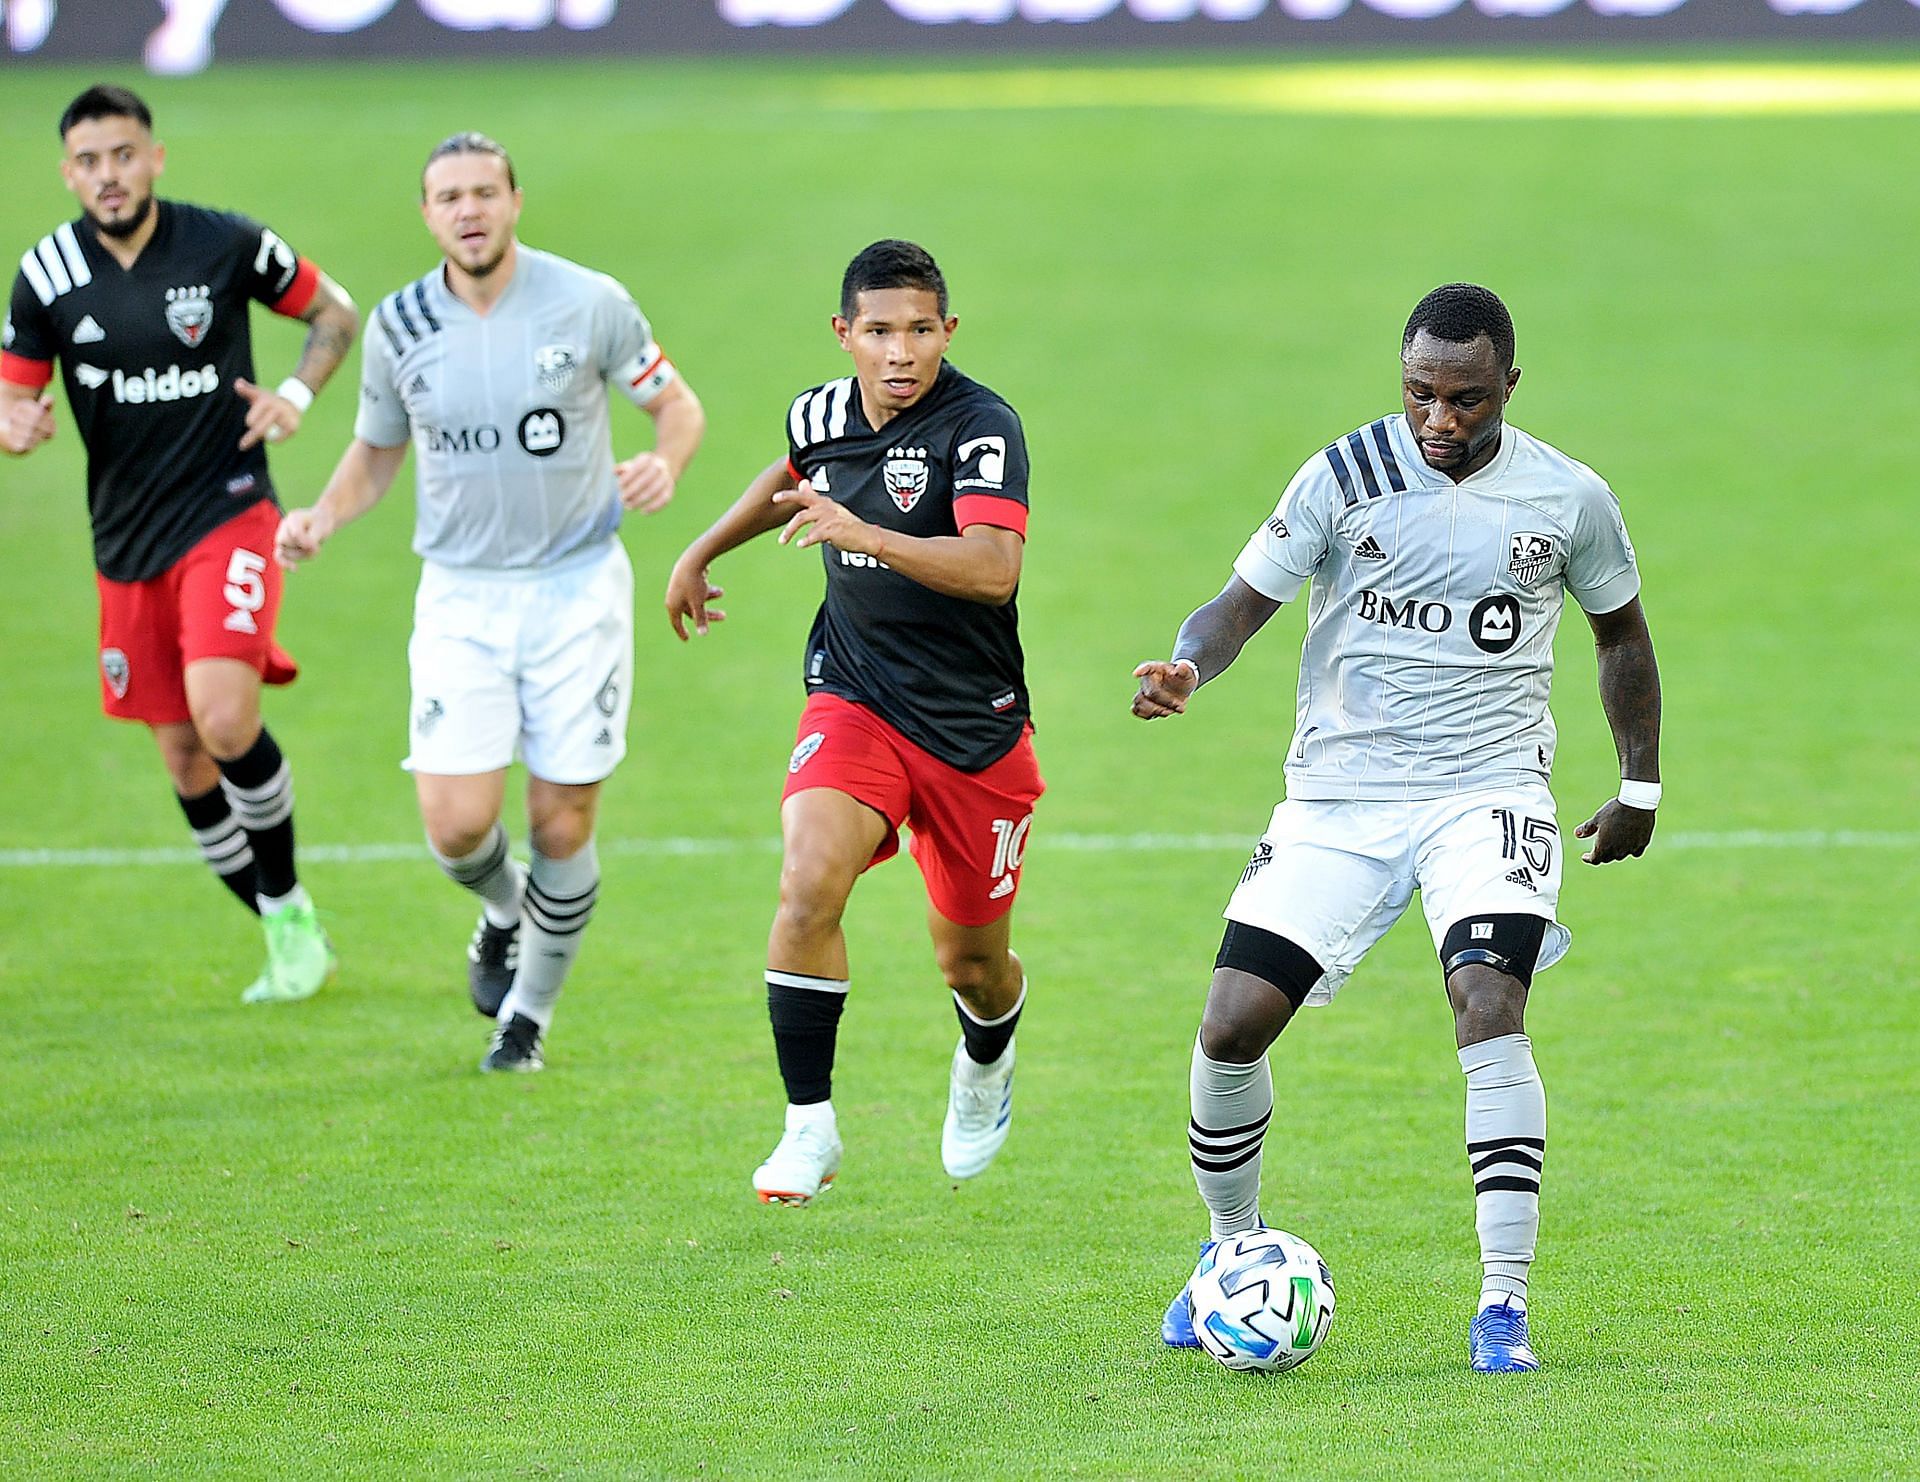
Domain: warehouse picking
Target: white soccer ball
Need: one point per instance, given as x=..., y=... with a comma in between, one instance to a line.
x=1262, y=1300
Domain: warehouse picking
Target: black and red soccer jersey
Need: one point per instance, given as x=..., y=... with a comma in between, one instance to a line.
x=945, y=672
x=149, y=355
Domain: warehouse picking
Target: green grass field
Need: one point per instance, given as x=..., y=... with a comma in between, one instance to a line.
x=313, y=1241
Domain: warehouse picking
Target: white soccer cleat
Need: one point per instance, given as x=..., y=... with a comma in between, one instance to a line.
x=979, y=1112
x=803, y=1166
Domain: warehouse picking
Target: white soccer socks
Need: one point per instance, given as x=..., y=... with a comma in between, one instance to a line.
x=1506, y=1145
x=559, y=903
x=490, y=873
x=1232, y=1105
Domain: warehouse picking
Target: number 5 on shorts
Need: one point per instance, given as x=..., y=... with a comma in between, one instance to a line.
x=245, y=591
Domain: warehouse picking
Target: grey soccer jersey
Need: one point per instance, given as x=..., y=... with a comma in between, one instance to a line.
x=1429, y=648
x=508, y=410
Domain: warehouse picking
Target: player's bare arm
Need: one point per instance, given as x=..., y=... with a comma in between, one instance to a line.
x=1630, y=695
x=1210, y=639
x=333, y=322
x=359, y=482
x=647, y=480
x=690, y=588
x=980, y=564
x=26, y=418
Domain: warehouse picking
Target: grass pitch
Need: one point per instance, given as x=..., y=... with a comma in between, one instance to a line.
x=314, y=1241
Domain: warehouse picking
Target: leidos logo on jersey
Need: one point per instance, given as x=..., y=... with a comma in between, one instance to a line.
x=905, y=475
x=190, y=313
x=150, y=385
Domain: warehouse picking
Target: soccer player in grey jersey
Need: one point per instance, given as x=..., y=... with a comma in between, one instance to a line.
x=1439, y=546
x=497, y=365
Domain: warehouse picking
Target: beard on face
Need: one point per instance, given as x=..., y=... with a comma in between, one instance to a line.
x=127, y=226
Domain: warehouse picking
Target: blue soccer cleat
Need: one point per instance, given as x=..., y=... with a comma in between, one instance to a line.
x=1176, y=1328
x=1497, y=1341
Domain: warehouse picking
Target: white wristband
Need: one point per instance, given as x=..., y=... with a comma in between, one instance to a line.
x=1197, y=680
x=1642, y=795
x=297, y=391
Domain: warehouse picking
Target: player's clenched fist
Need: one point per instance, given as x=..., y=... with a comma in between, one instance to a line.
x=1617, y=831
x=646, y=482
x=1165, y=688
x=301, y=534
x=820, y=518
x=27, y=424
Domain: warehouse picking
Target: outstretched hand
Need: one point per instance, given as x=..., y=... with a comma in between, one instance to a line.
x=822, y=519
x=1617, y=832
x=689, y=590
x=271, y=418
x=1164, y=689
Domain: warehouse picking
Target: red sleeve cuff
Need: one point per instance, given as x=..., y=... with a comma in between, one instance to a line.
x=17, y=370
x=990, y=509
x=797, y=475
x=299, y=295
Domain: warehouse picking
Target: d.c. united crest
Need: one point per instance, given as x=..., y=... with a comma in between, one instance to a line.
x=905, y=475
x=190, y=314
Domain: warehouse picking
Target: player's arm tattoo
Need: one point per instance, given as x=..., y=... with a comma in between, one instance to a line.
x=1629, y=688
x=333, y=322
x=1213, y=636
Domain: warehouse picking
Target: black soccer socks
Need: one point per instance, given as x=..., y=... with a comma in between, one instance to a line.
x=806, y=1024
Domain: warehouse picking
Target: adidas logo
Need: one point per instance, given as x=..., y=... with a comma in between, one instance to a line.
x=417, y=387
x=605, y=738
x=1521, y=876
x=1369, y=550
x=90, y=376
x=88, y=332
x=1005, y=887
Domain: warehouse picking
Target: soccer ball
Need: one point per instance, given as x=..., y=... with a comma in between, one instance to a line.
x=1261, y=1300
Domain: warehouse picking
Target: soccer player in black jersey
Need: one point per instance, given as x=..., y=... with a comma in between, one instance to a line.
x=912, y=480
x=144, y=303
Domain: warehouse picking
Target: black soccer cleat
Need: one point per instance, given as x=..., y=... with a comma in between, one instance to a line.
x=516, y=1046
x=493, y=956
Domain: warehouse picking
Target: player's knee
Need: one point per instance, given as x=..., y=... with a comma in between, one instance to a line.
x=970, y=972
x=812, y=899
x=189, y=768
x=1259, y=979
x=455, y=834
x=563, y=835
x=227, y=726
x=1489, y=960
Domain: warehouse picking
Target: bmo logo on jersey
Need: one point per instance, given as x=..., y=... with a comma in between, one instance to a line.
x=542, y=431
x=1426, y=617
x=150, y=385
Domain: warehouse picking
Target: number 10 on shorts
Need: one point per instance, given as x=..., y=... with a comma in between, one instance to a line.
x=1009, y=844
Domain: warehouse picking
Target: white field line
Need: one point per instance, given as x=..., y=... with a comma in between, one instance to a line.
x=1142, y=843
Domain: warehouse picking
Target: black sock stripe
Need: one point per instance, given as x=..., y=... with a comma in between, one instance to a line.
x=1512, y=1155
x=1507, y=1142
x=1516, y=1184
x=559, y=925
x=1211, y=1165
x=1194, y=1129
x=1223, y=1149
x=536, y=892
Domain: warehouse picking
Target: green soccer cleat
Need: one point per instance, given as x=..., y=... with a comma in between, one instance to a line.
x=300, y=959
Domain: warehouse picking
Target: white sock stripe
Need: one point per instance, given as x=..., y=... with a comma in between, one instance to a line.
x=225, y=852
x=256, y=818
x=280, y=781
x=972, y=1018
x=812, y=984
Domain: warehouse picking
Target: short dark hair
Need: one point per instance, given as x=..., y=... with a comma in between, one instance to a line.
x=106, y=100
x=891, y=264
x=1460, y=313
x=469, y=142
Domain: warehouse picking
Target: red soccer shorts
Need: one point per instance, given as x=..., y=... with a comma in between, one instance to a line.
x=216, y=602
x=969, y=828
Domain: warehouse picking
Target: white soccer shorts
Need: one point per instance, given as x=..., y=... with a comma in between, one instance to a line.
x=540, y=662
x=1331, y=877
